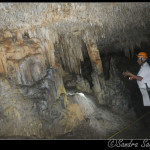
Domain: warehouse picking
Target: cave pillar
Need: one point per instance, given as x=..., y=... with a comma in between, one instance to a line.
x=95, y=60
x=97, y=74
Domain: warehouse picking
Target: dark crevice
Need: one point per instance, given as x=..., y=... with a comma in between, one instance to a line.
x=106, y=65
x=86, y=66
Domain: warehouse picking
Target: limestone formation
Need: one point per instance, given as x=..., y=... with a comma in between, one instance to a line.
x=53, y=76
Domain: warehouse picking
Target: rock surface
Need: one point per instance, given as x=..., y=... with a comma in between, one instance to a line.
x=52, y=68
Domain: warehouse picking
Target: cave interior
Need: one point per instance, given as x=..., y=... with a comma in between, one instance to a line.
x=61, y=68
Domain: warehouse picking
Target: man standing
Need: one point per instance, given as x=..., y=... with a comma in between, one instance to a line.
x=142, y=77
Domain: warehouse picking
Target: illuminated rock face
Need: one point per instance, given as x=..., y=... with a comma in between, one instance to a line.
x=50, y=49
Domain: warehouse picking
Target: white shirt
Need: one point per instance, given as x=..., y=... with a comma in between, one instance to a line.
x=144, y=72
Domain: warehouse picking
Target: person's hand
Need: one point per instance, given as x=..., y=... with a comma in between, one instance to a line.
x=126, y=73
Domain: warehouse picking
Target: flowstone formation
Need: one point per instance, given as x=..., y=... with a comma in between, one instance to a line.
x=54, y=79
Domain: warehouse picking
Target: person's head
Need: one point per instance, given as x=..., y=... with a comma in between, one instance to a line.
x=142, y=58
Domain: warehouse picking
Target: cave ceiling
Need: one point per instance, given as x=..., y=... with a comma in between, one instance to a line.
x=114, y=26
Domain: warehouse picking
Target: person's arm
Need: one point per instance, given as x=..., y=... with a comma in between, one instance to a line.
x=127, y=73
x=139, y=78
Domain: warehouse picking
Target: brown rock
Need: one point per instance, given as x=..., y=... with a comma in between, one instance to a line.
x=7, y=34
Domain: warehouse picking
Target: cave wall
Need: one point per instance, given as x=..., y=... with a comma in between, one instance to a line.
x=43, y=45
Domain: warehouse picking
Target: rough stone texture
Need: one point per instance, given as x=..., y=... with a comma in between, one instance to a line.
x=44, y=48
x=118, y=98
x=18, y=113
x=83, y=85
x=102, y=21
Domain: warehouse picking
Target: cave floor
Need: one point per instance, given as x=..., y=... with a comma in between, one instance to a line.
x=138, y=130
x=132, y=132
x=141, y=132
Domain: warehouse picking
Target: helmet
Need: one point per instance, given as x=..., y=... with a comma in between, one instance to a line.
x=142, y=55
